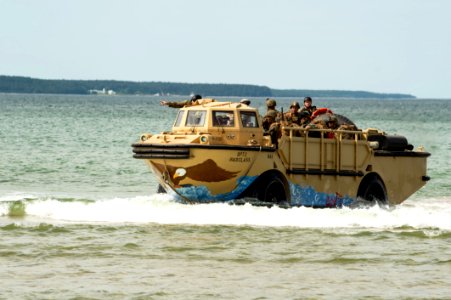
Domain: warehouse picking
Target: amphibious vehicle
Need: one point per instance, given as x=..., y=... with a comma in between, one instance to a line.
x=219, y=152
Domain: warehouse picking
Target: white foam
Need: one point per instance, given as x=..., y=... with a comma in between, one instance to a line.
x=160, y=208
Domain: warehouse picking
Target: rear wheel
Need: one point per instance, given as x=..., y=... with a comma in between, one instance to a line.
x=373, y=190
x=344, y=120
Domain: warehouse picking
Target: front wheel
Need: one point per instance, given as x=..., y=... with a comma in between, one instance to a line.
x=272, y=190
x=161, y=190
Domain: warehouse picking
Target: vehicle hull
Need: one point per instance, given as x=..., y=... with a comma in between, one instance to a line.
x=220, y=174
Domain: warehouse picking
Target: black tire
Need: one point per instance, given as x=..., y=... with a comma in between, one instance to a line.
x=272, y=190
x=340, y=118
x=161, y=189
x=343, y=120
x=373, y=190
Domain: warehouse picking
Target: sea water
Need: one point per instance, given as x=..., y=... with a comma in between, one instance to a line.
x=81, y=219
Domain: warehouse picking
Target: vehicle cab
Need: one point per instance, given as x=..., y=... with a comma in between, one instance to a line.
x=220, y=123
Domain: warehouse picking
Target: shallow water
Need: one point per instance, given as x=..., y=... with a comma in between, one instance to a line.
x=79, y=217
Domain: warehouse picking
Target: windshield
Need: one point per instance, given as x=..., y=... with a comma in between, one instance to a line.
x=195, y=118
x=178, y=121
x=249, y=119
x=223, y=118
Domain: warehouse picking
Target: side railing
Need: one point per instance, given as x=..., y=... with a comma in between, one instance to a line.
x=315, y=152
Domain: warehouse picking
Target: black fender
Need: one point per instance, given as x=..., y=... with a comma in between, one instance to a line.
x=271, y=186
x=161, y=190
x=372, y=189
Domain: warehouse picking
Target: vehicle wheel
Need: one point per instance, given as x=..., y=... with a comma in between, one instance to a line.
x=373, y=190
x=161, y=189
x=272, y=190
x=344, y=120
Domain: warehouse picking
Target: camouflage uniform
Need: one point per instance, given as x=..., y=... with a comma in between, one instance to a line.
x=329, y=121
x=193, y=101
x=310, y=109
x=348, y=127
x=313, y=124
x=272, y=115
x=180, y=104
x=304, y=118
x=293, y=117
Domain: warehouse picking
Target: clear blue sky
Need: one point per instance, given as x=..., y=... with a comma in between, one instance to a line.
x=374, y=45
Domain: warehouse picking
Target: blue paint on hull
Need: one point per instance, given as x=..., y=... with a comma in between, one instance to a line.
x=307, y=196
x=300, y=195
x=201, y=194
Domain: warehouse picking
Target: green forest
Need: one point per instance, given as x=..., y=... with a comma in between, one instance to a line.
x=18, y=84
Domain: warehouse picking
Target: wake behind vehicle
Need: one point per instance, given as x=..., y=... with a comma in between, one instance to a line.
x=219, y=152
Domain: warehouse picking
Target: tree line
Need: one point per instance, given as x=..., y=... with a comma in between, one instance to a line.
x=19, y=84
x=339, y=94
x=16, y=84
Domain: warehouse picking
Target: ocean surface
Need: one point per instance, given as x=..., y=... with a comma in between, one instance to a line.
x=81, y=219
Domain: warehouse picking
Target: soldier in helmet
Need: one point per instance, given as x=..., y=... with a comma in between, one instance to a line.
x=245, y=101
x=325, y=121
x=308, y=107
x=304, y=118
x=293, y=116
x=272, y=115
x=331, y=123
x=193, y=101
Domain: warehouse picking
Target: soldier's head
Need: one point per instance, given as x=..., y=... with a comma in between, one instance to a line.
x=271, y=103
x=294, y=106
x=195, y=98
x=307, y=101
x=332, y=121
x=305, y=117
x=245, y=101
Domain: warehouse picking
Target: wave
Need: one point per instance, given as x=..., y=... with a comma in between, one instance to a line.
x=426, y=213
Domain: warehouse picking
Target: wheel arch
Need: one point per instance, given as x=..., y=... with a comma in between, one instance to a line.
x=369, y=185
x=265, y=176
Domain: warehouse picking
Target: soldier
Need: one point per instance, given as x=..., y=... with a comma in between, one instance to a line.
x=348, y=127
x=331, y=123
x=317, y=123
x=245, y=101
x=230, y=119
x=304, y=118
x=272, y=115
x=293, y=116
x=193, y=101
x=308, y=107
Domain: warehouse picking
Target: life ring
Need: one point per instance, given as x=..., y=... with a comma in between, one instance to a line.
x=321, y=111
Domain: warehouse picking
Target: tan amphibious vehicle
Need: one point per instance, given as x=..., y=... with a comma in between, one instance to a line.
x=219, y=152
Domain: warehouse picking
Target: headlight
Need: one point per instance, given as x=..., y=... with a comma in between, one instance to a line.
x=203, y=139
x=145, y=137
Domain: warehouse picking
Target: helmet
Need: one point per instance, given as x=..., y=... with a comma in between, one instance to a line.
x=304, y=114
x=270, y=102
x=307, y=99
x=196, y=97
x=295, y=104
x=332, y=118
x=245, y=101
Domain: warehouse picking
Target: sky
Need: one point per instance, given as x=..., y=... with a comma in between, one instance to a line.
x=384, y=46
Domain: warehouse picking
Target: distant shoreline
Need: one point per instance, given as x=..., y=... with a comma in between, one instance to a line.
x=28, y=85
